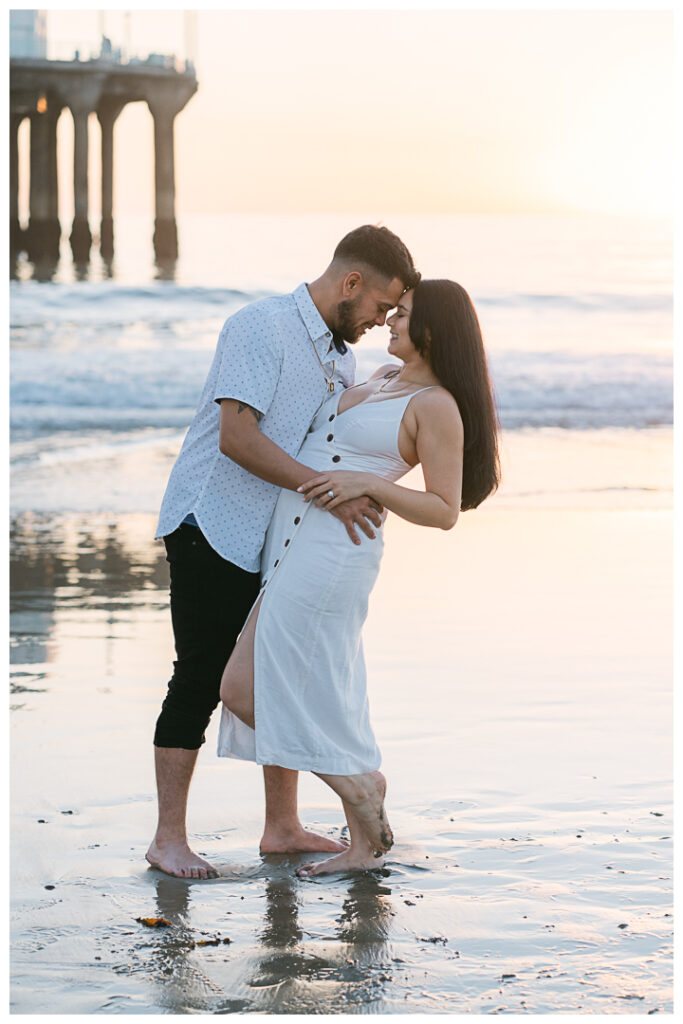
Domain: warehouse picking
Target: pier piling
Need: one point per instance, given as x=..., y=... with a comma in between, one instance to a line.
x=39, y=90
x=15, y=232
x=107, y=112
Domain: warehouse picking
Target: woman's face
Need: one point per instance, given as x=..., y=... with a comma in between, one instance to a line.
x=400, y=344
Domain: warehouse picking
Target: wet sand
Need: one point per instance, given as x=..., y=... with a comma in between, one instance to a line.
x=520, y=690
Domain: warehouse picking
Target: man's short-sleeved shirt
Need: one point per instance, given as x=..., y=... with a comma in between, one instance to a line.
x=265, y=357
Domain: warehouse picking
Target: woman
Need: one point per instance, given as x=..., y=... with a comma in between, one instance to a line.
x=294, y=689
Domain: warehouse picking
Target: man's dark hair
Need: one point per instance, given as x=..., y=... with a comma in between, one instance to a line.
x=380, y=250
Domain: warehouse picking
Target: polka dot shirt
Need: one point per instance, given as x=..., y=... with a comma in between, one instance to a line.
x=265, y=357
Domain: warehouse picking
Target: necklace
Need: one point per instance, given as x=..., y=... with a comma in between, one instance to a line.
x=328, y=376
x=393, y=377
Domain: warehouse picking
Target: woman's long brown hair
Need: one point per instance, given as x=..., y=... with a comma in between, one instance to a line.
x=445, y=330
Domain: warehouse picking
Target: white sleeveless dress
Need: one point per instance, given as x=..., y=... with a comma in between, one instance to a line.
x=310, y=697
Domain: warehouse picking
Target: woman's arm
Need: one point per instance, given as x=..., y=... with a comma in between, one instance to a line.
x=439, y=444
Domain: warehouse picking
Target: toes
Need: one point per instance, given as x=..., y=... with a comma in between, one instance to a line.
x=178, y=869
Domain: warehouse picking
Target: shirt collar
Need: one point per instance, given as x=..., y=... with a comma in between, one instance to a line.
x=314, y=323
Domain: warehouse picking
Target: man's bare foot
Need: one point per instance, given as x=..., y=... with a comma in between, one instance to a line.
x=299, y=840
x=177, y=859
x=350, y=860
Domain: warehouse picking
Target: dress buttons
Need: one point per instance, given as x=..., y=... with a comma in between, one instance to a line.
x=297, y=520
x=331, y=417
x=330, y=437
x=327, y=334
x=275, y=562
x=336, y=458
x=287, y=542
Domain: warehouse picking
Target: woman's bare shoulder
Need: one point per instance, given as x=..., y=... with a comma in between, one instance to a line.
x=436, y=405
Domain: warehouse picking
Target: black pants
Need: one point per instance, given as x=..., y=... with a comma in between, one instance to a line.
x=210, y=601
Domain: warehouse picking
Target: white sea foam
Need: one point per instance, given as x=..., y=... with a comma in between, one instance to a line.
x=105, y=384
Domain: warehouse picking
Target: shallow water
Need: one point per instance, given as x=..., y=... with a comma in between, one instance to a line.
x=500, y=915
x=520, y=689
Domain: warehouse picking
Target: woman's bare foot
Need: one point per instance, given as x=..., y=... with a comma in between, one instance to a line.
x=365, y=796
x=350, y=860
x=299, y=841
x=178, y=859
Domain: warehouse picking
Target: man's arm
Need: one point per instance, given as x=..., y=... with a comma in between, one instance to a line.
x=242, y=441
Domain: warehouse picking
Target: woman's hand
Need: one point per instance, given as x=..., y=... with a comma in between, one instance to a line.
x=331, y=489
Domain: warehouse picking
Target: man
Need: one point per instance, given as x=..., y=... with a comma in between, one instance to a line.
x=275, y=362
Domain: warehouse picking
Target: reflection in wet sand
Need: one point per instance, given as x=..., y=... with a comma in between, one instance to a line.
x=353, y=966
x=71, y=565
x=281, y=923
x=292, y=968
x=181, y=984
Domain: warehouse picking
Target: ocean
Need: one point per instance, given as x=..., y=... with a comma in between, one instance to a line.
x=576, y=314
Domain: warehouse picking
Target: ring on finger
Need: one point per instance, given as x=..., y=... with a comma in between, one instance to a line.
x=330, y=494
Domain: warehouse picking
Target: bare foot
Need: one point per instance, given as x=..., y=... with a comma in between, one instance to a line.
x=350, y=860
x=367, y=801
x=299, y=841
x=177, y=859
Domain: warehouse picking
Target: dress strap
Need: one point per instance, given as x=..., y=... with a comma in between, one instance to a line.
x=420, y=390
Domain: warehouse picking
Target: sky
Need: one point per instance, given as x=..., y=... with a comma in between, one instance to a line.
x=447, y=111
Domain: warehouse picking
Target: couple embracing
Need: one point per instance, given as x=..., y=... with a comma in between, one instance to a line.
x=272, y=521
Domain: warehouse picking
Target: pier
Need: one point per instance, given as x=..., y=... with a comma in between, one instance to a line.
x=40, y=89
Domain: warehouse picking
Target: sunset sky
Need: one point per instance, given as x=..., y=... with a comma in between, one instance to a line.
x=399, y=111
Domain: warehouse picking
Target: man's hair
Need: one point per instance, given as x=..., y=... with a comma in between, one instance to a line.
x=380, y=250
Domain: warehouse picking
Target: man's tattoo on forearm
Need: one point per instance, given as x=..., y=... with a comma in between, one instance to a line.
x=243, y=405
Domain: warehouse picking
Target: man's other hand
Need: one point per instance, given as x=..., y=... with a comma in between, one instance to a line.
x=361, y=513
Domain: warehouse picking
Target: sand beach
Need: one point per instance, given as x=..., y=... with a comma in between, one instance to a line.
x=520, y=678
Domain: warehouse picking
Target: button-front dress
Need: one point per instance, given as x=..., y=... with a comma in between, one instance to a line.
x=310, y=695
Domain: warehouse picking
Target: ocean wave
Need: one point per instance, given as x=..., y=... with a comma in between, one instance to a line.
x=35, y=304
x=162, y=387
x=76, y=375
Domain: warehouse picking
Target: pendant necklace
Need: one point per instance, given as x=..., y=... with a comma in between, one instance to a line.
x=328, y=376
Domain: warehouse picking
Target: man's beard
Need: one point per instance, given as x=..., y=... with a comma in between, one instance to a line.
x=346, y=326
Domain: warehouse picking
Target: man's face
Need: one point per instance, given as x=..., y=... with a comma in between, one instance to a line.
x=366, y=306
